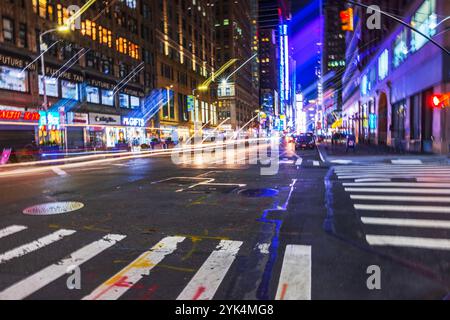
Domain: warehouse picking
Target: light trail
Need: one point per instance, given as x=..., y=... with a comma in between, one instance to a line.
x=107, y=158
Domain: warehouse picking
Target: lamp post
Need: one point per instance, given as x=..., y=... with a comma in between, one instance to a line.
x=63, y=28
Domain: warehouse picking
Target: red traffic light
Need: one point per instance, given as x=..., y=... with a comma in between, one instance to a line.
x=440, y=100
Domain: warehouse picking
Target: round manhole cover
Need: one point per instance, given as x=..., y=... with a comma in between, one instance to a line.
x=46, y=209
x=258, y=193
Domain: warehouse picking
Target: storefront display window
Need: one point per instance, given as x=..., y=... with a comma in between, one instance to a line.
x=93, y=94
x=51, y=86
x=69, y=90
x=13, y=79
x=107, y=97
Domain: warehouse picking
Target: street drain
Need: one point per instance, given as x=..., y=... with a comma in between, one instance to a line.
x=53, y=208
x=258, y=193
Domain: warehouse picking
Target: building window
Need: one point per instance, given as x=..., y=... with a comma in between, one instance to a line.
x=13, y=79
x=424, y=20
x=107, y=97
x=400, y=48
x=383, y=65
x=135, y=102
x=8, y=30
x=51, y=87
x=92, y=94
x=69, y=90
x=124, y=101
x=23, y=41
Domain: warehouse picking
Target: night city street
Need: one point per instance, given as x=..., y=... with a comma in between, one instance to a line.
x=225, y=150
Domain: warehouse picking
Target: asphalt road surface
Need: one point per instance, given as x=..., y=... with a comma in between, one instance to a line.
x=150, y=229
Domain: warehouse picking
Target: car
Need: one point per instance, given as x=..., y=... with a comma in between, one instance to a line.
x=305, y=141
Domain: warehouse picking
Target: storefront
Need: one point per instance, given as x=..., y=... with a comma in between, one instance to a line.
x=105, y=131
x=168, y=132
x=50, y=132
x=76, y=130
x=18, y=128
x=134, y=129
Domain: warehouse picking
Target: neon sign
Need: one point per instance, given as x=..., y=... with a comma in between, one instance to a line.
x=19, y=115
x=134, y=122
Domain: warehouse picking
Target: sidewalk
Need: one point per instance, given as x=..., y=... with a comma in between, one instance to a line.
x=337, y=154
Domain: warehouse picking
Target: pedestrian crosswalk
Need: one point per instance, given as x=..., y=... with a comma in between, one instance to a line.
x=396, y=202
x=294, y=281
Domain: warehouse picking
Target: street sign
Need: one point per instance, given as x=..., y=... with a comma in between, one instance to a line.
x=190, y=103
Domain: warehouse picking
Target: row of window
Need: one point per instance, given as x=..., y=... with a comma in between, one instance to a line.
x=405, y=43
x=13, y=79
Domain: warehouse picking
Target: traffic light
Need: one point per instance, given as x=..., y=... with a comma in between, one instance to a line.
x=347, y=19
x=440, y=100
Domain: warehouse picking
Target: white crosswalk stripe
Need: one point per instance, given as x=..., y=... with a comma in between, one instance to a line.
x=294, y=280
x=120, y=283
x=403, y=187
x=35, y=245
x=206, y=281
x=37, y=281
x=11, y=230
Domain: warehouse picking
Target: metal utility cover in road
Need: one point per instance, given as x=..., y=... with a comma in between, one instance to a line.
x=53, y=208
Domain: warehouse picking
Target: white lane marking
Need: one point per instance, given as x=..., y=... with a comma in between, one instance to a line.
x=397, y=184
x=206, y=281
x=372, y=180
x=35, y=245
x=395, y=175
x=413, y=242
x=433, y=179
x=390, y=168
x=51, y=273
x=341, y=161
x=60, y=172
x=299, y=162
x=263, y=248
x=420, y=223
x=400, y=190
x=401, y=198
x=121, y=282
x=402, y=208
x=11, y=230
x=316, y=163
x=286, y=162
x=295, y=277
x=406, y=161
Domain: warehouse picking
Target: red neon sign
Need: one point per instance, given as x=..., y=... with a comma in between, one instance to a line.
x=19, y=115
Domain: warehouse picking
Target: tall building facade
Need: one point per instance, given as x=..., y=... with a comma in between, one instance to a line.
x=274, y=16
x=121, y=75
x=234, y=40
x=392, y=74
x=184, y=59
x=96, y=74
x=333, y=60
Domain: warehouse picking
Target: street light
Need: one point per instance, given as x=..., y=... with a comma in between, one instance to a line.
x=61, y=29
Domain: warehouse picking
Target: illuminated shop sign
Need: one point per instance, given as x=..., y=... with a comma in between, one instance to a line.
x=50, y=119
x=19, y=115
x=134, y=122
x=103, y=119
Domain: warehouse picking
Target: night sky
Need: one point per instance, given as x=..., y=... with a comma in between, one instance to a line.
x=304, y=38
